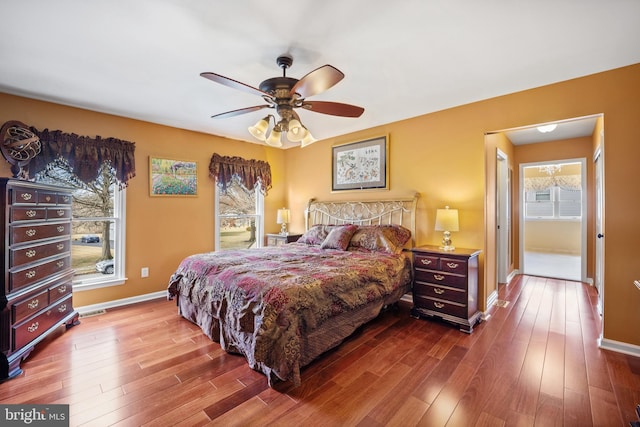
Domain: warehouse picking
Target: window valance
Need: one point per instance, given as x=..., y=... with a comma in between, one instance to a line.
x=85, y=155
x=566, y=182
x=250, y=172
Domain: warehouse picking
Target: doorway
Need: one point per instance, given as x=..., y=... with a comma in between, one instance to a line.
x=553, y=219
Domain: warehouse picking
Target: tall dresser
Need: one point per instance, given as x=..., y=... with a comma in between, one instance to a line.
x=445, y=285
x=36, y=294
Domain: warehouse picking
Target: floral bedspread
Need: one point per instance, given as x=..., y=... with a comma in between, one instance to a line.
x=264, y=300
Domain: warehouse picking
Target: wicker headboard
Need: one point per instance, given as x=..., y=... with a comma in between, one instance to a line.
x=364, y=212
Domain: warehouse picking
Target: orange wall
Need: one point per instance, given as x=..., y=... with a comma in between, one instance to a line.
x=442, y=155
x=161, y=231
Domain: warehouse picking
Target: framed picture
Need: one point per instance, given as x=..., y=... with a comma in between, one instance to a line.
x=360, y=165
x=172, y=177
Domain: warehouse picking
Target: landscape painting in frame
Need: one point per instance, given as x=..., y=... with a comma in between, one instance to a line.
x=172, y=177
x=360, y=165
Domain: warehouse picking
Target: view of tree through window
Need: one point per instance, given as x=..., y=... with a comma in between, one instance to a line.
x=94, y=220
x=239, y=214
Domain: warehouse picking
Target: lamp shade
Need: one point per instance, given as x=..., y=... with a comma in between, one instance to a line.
x=259, y=130
x=274, y=138
x=283, y=216
x=447, y=219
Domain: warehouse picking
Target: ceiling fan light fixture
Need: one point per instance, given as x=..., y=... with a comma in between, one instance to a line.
x=259, y=130
x=296, y=131
x=307, y=140
x=274, y=139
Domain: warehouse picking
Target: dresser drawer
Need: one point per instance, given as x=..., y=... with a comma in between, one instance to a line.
x=441, y=278
x=29, y=306
x=441, y=306
x=60, y=291
x=25, y=277
x=441, y=292
x=37, y=252
x=64, y=199
x=27, y=213
x=59, y=212
x=47, y=197
x=21, y=195
x=426, y=261
x=30, y=233
x=32, y=328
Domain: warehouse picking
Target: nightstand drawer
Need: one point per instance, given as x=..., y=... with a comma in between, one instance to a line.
x=442, y=306
x=453, y=265
x=426, y=261
x=441, y=278
x=441, y=292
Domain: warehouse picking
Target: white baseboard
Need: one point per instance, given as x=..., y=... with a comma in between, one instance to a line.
x=121, y=302
x=511, y=275
x=619, y=347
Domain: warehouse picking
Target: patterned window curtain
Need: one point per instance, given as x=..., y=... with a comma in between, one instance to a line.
x=85, y=155
x=566, y=182
x=250, y=172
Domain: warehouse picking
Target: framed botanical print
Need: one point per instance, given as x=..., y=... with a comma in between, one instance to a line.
x=168, y=177
x=360, y=165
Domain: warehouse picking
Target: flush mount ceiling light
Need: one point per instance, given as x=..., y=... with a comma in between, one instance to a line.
x=285, y=94
x=547, y=128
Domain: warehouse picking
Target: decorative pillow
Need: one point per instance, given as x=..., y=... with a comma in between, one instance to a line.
x=339, y=237
x=315, y=235
x=380, y=238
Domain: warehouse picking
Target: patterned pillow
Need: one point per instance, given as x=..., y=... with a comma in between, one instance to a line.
x=315, y=235
x=380, y=238
x=339, y=237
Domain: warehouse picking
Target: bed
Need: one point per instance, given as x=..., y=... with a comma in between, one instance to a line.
x=283, y=306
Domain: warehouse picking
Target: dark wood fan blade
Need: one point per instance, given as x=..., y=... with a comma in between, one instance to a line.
x=239, y=111
x=333, y=108
x=234, y=84
x=317, y=81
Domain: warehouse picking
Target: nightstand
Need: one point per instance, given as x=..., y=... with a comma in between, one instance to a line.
x=445, y=285
x=277, y=239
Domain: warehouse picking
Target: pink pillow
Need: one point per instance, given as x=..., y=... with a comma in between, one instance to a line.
x=315, y=235
x=339, y=237
x=380, y=238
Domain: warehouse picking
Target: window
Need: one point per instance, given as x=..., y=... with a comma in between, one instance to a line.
x=98, y=231
x=239, y=217
x=553, y=203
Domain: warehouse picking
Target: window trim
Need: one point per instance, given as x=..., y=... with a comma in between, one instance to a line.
x=118, y=278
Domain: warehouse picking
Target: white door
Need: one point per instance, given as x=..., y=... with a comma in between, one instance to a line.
x=502, y=217
x=599, y=267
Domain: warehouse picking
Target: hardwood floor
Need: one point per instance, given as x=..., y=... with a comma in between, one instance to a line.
x=534, y=362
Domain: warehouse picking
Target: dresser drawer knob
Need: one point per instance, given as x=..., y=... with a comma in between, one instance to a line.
x=60, y=212
x=33, y=304
x=62, y=289
x=48, y=198
x=30, y=274
x=30, y=253
x=60, y=229
x=452, y=264
x=26, y=196
x=33, y=327
x=30, y=232
x=425, y=261
x=62, y=308
x=438, y=291
x=60, y=246
x=60, y=264
x=31, y=213
x=438, y=304
x=438, y=277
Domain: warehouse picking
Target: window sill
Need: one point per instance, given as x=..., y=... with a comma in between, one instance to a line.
x=90, y=285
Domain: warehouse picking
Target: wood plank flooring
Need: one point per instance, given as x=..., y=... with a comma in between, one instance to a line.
x=535, y=362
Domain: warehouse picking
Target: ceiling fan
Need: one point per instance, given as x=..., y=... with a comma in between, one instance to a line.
x=285, y=94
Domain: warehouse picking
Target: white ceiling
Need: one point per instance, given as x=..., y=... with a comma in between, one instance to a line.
x=565, y=129
x=142, y=58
